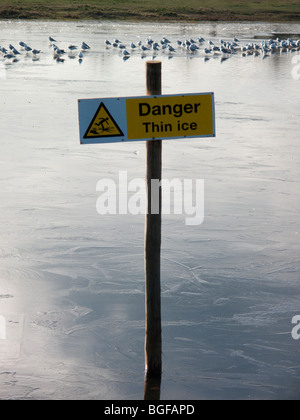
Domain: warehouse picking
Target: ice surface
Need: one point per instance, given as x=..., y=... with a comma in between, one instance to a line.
x=72, y=282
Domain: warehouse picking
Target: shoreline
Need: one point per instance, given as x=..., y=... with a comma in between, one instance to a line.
x=43, y=12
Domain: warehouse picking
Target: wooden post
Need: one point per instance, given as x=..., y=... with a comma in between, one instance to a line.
x=153, y=340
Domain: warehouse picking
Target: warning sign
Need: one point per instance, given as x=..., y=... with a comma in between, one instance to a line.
x=112, y=120
x=103, y=125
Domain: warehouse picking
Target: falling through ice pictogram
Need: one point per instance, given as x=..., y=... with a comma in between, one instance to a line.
x=103, y=125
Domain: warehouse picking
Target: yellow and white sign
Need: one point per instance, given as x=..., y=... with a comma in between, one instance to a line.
x=146, y=118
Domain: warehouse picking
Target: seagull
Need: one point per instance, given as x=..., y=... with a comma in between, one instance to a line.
x=125, y=53
x=107, y=42
x=57, y=51
x=132, y=45
x=265, y=49
x=52, y=39
x=85, y=46
x=27, y=48
x=193, y=47
x=35, y=52
x=15, y=51
x=149, y=42
x=9, y=56
x=72, y=47
x=224, y=50
x=170, y=48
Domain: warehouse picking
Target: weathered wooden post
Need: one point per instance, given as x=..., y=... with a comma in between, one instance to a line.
x=153, y=339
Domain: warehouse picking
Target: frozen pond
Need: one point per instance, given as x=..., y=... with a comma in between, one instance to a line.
x=72, y=281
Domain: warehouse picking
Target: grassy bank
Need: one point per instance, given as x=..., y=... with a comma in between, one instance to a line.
x=193, y=10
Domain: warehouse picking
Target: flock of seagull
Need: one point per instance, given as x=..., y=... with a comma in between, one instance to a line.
x=58, y=53
x=209, y=48
x=12, y=53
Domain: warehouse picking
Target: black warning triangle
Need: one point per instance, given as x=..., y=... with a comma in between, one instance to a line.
x=103, y=125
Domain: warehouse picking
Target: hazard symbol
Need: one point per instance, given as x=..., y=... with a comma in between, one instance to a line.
x=103, y=125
